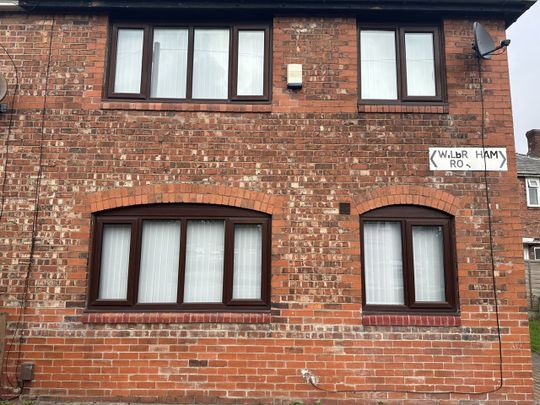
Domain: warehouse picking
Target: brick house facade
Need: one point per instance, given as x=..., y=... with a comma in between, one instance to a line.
x=528, y=171
x=296, y=160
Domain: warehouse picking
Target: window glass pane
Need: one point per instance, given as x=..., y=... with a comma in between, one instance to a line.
x=160, y=252
x=211, y=64
x=533, y=196
x=536, y=253
x=250, y=63
x=428, y=256
x=420, y=62
x=378, y=65
x=383, y=263
x=169, y=63
x=129, y=55
x=205, y=247
x=247, y=262
x=115, y=246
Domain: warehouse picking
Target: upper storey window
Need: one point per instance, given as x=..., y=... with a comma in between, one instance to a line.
x=400, y=64
x=533, y=184
x=189, y=62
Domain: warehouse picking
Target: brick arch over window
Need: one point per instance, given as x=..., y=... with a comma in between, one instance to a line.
x=407, y=195
x=184, y=193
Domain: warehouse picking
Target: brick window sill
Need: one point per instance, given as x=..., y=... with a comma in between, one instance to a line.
x=188, y=107
x=172, y=318
x=400, y=108
x=410, y=320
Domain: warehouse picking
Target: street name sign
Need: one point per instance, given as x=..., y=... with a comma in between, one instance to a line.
x=468, y=159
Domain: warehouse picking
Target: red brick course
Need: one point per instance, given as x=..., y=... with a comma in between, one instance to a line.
x=169, y=318
x=410, y=320
x=296, y=159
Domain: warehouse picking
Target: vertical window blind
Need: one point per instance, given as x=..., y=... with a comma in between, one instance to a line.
x=180, y=256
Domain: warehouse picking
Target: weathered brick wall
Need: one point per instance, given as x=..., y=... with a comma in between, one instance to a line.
x=530, y=216
x=296, y=159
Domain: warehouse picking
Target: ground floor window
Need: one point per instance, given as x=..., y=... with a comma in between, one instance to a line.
x=180, y=257
x=408, y=260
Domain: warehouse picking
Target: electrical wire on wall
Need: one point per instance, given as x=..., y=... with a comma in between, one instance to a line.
x=12, y=112
x=7, y=147
x=18, y=332
x=313, y=380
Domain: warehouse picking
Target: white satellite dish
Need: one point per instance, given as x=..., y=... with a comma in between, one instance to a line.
x=484, y=44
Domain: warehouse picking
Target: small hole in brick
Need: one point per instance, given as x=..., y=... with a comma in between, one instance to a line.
x=344, y=208
x=198, y=363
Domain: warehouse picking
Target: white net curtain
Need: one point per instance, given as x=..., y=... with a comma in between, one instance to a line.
x=169, y=63
x=160, y=255
x=420, y=61
x=428, y=256
x=160, y=261
x=378, y=67
x=247, y=262
x=383, y=263
x=250, y=63
x=116, y=244
x=205, y=248
x=211, y=64
x=129, y=58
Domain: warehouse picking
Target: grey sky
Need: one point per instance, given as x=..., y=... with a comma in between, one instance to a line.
x=524, y=59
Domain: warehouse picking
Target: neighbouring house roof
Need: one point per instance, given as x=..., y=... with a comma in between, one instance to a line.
x=509, y=10
x=527, y=165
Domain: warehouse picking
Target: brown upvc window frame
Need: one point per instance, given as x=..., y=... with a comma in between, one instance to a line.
x=146, y=74
x=136, y=215
x=408, y=216
x=401, y=62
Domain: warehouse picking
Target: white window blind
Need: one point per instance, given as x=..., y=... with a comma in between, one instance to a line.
x=378, y=66
x=247, y=262
x=428, y=256
x=250, y=63
x=129, y=55
x=160, y=255
x=205, y=248
x=211, y=64
x=113, y=279
x=383, y=263
x=420, y=64
x=169, y=63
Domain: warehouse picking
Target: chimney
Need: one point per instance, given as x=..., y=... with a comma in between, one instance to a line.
x=533, y=142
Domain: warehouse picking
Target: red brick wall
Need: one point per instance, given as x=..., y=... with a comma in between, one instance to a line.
x=296, y=159
x=529, y=215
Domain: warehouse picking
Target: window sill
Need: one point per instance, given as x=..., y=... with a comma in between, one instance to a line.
x=171, y=318
x=403, y=108
x=410, y=320
x=188, y=107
